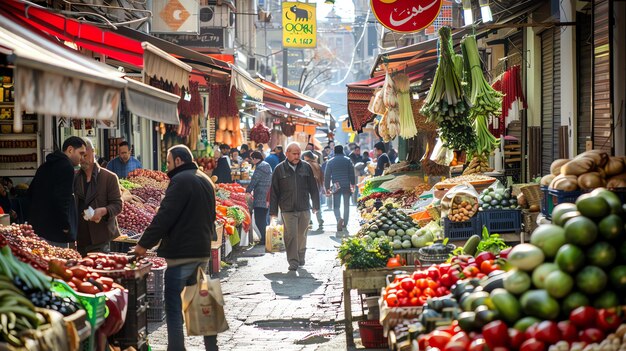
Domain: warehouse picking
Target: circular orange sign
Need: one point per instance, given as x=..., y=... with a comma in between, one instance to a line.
x=406, y=16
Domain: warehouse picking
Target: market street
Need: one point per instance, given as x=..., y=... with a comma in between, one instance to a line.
x=269, y=307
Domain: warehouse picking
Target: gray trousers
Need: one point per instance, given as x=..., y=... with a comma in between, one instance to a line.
x=296, y=226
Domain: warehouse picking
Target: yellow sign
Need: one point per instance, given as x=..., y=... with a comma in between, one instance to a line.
x=299, y=25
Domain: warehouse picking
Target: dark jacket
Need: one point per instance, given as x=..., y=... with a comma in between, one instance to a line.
x=51, y=197
x=185, y=222
x=291, y=190
x=381, y=163
x=260, y=184
x=355, y=158
x=339, y=170
x=222, y=171
x=104, y=191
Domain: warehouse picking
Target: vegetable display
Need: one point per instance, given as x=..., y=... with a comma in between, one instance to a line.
x=397, y=227
x=499, y=199
x=358, y=253
x=589, y=170
x=260, y=134
x=446, y=103
x=407, y=122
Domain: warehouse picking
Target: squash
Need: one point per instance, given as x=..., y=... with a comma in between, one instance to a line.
x=591, y=180
x=565, y=183
x=555, y=167
x=219, y=136
x=547, y=179
x=236, y=124
x=618, y=181
x=615, y=166
x=599, y=157
x=222, y=123
x=228, y=138
x=578, y=166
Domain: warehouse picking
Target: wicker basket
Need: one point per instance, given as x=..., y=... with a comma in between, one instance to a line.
x=533, y=194
x=421, y=121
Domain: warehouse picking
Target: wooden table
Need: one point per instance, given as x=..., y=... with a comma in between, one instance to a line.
x=363, y=279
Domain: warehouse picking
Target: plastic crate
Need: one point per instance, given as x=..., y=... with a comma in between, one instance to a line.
x=372, y=335
x=556, y=197
x=156, y=281
x=502, y=221
x=156, y=308
x=546, y=202
x=461, y=230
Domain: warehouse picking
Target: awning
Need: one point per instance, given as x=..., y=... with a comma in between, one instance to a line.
x=52, y=79
x=245, y=84
x=151, y=103
x=157, y=62
x=279, y=93
x=282, y=111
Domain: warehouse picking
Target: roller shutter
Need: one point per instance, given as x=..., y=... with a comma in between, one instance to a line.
x=602, y=116
x=550, y=97
x=585, y=79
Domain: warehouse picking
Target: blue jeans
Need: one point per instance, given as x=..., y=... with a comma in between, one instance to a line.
x=176, y=278
x=345, y=194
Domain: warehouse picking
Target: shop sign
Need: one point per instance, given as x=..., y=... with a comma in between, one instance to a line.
x=299, y=25
x=406, y=16
x=175, y=16
x=208, y=38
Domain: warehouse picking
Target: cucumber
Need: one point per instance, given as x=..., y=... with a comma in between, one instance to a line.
x=471, y=245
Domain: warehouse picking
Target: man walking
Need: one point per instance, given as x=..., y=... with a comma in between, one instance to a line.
x=275, y=157
x=311, y=159
x=293, y=189
x=339, y=181
x=53, y=213
x=124, y=163
x=259, y=187
x=99, y=189
x=185, y=226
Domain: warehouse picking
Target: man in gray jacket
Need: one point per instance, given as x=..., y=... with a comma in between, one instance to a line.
x=293, y=190
x=339, y=181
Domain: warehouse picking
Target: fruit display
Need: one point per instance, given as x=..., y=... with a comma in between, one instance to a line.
x=589, y=170
x=473, y=179
x=30, y=248
x=497, y=199
x=402, y=198
x=562, y=291
x=135, y=217
x=148, y=188
x=477, y=165
x=141, y=174
x=398, y=227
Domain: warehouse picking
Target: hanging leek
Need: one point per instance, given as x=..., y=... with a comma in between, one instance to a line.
x=407, y=122
x=446, y=103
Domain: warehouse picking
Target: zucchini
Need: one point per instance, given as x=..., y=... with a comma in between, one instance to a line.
x=471, y=245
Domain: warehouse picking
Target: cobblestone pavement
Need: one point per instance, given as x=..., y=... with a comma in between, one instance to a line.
x=270, y=308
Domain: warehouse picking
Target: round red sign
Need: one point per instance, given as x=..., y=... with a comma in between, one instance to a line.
x=406, y=16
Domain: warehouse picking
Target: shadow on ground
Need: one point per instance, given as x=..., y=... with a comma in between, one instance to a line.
x=290, y=284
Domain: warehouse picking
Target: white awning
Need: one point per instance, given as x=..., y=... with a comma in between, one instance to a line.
x=159, y=63
x=245, y=84
x=52, y=79
x=151, y=103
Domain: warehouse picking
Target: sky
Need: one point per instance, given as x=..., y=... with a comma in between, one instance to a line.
x=344, y=8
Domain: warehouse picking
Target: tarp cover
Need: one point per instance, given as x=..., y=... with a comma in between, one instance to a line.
x=151, y=103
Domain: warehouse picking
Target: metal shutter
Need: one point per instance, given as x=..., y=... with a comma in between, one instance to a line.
x=550, y=97
x=585, y=79
x=602, y=116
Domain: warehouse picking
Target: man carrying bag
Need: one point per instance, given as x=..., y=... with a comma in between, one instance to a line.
x=203, y=306
x=184, y=225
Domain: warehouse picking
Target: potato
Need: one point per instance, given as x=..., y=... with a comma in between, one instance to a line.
x=555, y=168
x=618, y=181
x=578, y=166
x=565, y=183
x=615, y=166
x=547, y=179
x=591, y=180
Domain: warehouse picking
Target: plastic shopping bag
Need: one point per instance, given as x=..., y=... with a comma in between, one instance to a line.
x=203, y=306
x=274, y=241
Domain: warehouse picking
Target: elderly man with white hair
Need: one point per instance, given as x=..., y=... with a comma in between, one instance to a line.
x=293, y=189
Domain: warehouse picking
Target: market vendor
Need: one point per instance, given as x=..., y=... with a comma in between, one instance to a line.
x=222, y=171
x=183, y=228
x=124, y=163
x=96, y=188
x=382, y=160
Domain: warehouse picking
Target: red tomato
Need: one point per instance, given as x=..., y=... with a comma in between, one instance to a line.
x=439, y=339
x=419, y=275
x=392, y=300
x=484, y=256
x=414, y=301
x=402, y=294
x=88, y=288
x=444, y=268
x=568, y=331
x=407, y=283
x=532, y=344
x=548, y=332
x=422, y=283
x=433, y=284
x=591, y=335
x=429, y=292
x=479, y=344
x=433, y=272
x=496, y=334
x=516, y=337
x=583, y=316
x=608, y=320
x=461, y=338
x=487, y=267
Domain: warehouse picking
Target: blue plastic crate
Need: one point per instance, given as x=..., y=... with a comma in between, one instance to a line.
x=546, y=201
x=502, y=221
x=461, y=230
x=560, y=197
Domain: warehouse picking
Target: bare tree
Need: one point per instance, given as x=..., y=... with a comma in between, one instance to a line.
x=316, y=70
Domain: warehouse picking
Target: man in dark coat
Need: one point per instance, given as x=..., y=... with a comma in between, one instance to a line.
x=98, y=188
x=339, y=182
x=222, y=170
x=53, y=212
x=293, y=189
x=184, y=226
